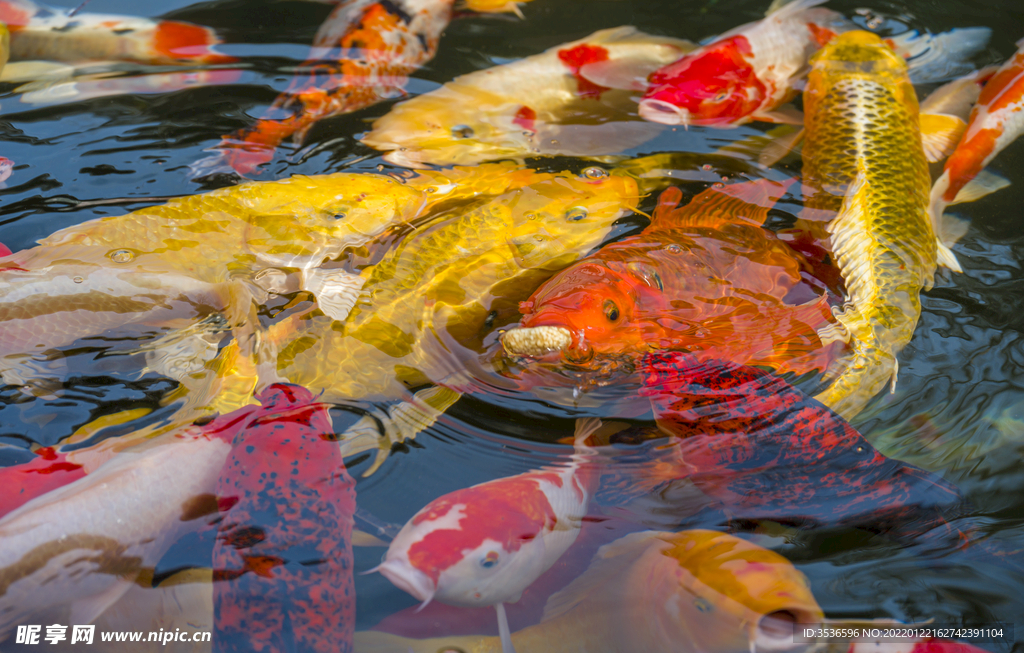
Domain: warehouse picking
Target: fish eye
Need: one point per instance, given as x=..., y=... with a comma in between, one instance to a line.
x=462, y=131
x=489, y=560
x=576, y=213
x=721, y=97
x=611, y=311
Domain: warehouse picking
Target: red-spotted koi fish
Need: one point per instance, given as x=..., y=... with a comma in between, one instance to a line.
x=524, y=108
x=485, y=544
x=361, y=55
x=996, y=121
x=766, y=450
x=705, y=277
x=39, y=32
x=19, y=484
x=750, y=72
x=283, y=558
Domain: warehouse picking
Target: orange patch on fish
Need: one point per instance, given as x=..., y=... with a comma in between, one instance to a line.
x=821, y=35
x=526, y=118
x=14, y=16
x=968, y=160
x=185, y=41
x=511, y=512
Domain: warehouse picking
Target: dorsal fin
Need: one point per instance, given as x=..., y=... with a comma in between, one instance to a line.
x=747, y=202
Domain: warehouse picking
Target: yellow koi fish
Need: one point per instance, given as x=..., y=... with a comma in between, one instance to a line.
x=864, y=158
x=538, y=105
x=446, y=282
x=681, y=592
x=217, y=253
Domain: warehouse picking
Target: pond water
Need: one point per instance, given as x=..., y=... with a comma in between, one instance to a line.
x=957, y=409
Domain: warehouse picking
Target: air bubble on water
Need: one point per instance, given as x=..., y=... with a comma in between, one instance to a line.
x=78, y=280
x=706, y=167
x=121, y=256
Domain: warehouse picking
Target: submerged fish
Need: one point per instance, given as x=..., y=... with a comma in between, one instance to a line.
x=541, y=104
x=449, y=279
x=864, y=158
x=749, y=72
x=693, y=591
x=361, y=55
x=283, y=558
x=765, y=450
x=485, y=544
x=212, y=254
x=39, y=32
x=705, y=277
x=995, y=121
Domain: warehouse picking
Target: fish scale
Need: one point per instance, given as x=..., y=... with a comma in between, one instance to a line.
x=864, y=159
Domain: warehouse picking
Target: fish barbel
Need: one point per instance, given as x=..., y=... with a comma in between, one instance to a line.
x=520, y=109
x=214, y=252
x=863, y=157
x=362, y=54
x=690, y=591
x=450, y=277
x=704, y=277
x=39, y=32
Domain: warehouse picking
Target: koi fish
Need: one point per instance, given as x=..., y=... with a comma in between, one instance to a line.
x=362, y=54
x=750, y=72
x=19, y=484
x=283, y=558
x=485, y=544
x=451, y=279
x=685, y=592
x=520, y=109
x=39, y=32
x=861, y=110
x=209, y=255
x=995, y=122
x=766, y=450
x=703, y=277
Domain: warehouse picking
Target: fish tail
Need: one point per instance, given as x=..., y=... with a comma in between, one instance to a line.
x=867, y=370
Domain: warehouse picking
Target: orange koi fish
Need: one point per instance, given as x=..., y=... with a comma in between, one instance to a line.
x=748, y=73
x=39, y=32
x=361, y=55
x=995, y=122
x=705, y=277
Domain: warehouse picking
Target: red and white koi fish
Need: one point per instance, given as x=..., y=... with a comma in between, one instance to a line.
x=748, y=73
x=996, y=121
x=485, y=544
x=39, y=32
x=361, y=55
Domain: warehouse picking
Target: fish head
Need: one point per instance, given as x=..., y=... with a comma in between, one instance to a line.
x=475, y=547
x=456, y=125
x=716, y=86
x=554, y=220
x=857, y=54
x=584, y=311
x=730, y=594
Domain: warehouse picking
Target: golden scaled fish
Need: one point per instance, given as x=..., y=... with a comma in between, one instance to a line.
x=446, y=282
x=542, y=104
x=693, y=591
x=215, y=252
x=863, y=157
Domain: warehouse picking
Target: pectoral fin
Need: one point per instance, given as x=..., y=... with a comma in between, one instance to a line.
x=784, y=115
x=939, y=134
x=984, y=184
x=336, y=291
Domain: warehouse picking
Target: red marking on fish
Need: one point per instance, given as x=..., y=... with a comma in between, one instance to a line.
x=283, y=558
x=5, y=251
x=389, y=43
x=766, y=450
x=968, y=160
x=579, y=56
x=526, y=118
x=14, y=15
x=822, y=35
x=187, y=42
x=510, y=511
x=716, y=86
x=19, y=484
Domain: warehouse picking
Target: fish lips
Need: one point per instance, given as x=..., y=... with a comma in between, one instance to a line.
x=664, y=112
x=409, y=579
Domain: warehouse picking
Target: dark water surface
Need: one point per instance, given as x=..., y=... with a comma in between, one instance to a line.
x=958, y=407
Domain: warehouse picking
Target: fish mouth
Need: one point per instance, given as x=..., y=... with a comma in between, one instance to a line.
x=409, y=579
x=536, y=341
x=664, y=112
x=775, y=631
